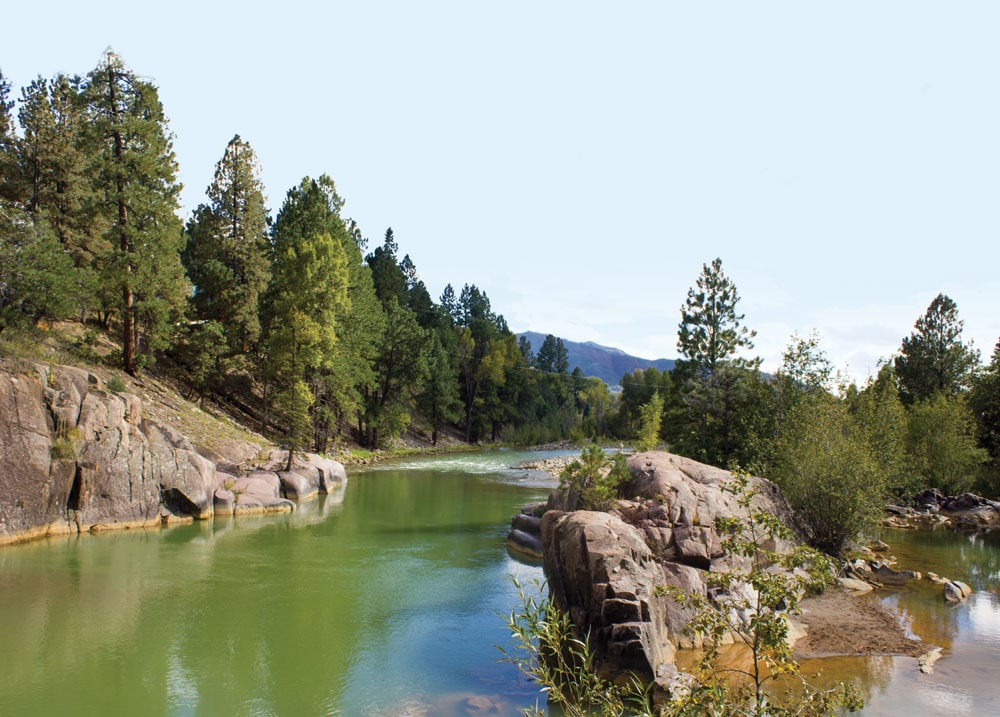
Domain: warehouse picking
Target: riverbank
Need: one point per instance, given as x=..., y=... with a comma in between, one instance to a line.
x=839, y=623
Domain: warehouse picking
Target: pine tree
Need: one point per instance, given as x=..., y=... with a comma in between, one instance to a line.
x=390, y=282
x=7, y=143
x=439, y=400
x=933, y=359
x=52, y=178
x=711, y=331
x=227, y=248
x=136, y=183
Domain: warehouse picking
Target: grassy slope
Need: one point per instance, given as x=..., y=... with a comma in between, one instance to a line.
x=210, y=426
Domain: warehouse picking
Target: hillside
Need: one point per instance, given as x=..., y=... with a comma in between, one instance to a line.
x=606, y=363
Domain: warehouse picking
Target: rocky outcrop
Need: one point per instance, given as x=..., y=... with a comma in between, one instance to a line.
x=76, y=457
x=932, y=508
x=608, y=570
x=602, y=572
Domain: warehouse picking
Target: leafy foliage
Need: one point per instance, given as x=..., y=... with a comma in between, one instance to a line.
x=595, y=478
x=547, y=649
x=650, y=418
x=827, y=471
x=753, y=605
x=941, y=442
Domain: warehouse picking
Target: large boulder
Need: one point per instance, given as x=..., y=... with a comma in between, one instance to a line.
x=602, y=572
x=677, y=502
x=316, y=474
x=609, y=570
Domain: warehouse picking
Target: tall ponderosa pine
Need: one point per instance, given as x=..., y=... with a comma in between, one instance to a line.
x=933, y=358
x=711, y=331
x=227, y=248
x=137, y=188
x=553, y=357
x=390, y=282
x=439, y=399
x=53, y=165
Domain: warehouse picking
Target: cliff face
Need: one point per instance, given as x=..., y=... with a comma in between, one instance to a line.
x=76, y=457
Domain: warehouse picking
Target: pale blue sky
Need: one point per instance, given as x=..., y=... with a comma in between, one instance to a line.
x=580, y=161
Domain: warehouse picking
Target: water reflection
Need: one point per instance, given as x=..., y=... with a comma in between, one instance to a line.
x=389, y=596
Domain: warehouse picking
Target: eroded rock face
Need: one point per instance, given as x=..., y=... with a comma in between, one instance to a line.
x=75, y=457
x=602, y=572
x=676, y=502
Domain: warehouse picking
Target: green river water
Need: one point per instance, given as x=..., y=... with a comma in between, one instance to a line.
x=384, y=601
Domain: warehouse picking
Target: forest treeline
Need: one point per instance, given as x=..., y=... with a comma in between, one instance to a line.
x=294, y=321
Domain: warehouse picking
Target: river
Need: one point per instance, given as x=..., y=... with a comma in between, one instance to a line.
x=387, y=602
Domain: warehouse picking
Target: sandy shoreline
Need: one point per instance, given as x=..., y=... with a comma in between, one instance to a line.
x=839, y=623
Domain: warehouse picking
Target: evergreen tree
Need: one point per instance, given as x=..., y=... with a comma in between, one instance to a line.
x=389, y=280
x=53, y=167
x=400, y=369
x=711, y=331
x=984, y=401
x=352, y=370
x=719, y=389
x=307, y=293
x=553, y=357
x=439, y=400
x=7, y=140
x=36, y=275
x=227, y=248
x=137, y=189
x=933, y=358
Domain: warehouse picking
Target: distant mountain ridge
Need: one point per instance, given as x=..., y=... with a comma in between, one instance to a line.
x=605, y=362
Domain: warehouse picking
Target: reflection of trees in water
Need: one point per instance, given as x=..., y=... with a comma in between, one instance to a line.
x=869, y=674
x=926, y=614
x=971, y=558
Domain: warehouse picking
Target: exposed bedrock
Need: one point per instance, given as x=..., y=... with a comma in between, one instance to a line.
x=75, y=456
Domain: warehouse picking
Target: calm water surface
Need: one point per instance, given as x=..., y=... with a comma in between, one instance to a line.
x=387, y=603
x=966, y=680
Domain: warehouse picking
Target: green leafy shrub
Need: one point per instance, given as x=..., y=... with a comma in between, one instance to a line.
x=595, y=478
x=115, y=384
x=753, y=606
x=827, y=470
x=547, y=650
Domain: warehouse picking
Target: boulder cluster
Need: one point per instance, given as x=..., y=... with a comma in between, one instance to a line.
x=76, y=456
x=932, y=508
